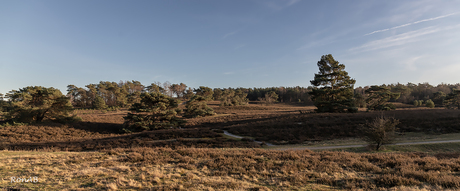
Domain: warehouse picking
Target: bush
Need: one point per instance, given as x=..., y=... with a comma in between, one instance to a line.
x=99, y=103
x=429, y=103
x=380, y=131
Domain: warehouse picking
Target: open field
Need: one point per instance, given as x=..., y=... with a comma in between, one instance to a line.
x=95, y=155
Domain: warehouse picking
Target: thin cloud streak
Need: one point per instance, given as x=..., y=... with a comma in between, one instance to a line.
x=230, y=34
x=408, y=24
x=396, y=40
x=276, y=6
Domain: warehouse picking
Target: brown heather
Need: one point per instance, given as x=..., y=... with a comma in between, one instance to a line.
x=231, y=169
x=198, y=157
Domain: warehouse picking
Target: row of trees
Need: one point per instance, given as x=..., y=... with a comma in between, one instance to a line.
x=422, y=91
x=333, y=91
x=112, y=94
x=153, y=110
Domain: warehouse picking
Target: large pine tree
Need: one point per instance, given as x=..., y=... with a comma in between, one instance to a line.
x=333, y=88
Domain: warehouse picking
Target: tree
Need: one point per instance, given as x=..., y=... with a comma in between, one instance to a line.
x=270, y=97
x=333, y=88
x=36, y=103
x=377, y=97
x=206, y=92
x=154, y=111
x=197, y=107
x=429, y=103
x=227, y=97
x=167, y=89
x=380, y=131
x=179, y=89
x=217, y=93
x=99, y=103
x=452, y=100
x=438, y=97
x=154, y=87
x=232, y=97
x=360, y=100
x=189, y=93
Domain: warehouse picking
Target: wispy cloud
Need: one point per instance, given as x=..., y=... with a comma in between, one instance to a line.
x=279, y=5
x=402, y=39
x=408, y=24
x=292, y=2
x=396, y=40
x=229, y=73
x=230, y=34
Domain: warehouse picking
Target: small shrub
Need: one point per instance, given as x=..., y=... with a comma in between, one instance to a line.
x=429, y=103
x=380, y=131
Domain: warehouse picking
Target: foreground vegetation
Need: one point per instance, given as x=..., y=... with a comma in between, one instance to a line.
x=229, y=169
x=200, y=157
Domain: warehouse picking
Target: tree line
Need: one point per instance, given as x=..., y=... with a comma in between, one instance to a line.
x=332, y=90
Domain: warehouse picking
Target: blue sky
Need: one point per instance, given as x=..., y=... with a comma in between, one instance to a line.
x=238, y=43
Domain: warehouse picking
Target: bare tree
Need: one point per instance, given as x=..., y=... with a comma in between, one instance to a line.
x=380, y=131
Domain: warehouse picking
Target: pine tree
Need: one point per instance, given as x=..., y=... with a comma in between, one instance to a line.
x=378, y=96
x=333, y=88
x=452, y=100
x=99, y=103
x=204, y=91
x=154, y=111
x=36, y=103
x=197, y=107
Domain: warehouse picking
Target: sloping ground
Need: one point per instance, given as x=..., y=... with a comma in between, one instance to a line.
x=299, y=128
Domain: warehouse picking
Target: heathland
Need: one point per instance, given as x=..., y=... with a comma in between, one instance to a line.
x=94, y=154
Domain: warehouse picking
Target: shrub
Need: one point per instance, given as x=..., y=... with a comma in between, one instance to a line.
x=416, y=103
x=429, y=103
x=380, y=131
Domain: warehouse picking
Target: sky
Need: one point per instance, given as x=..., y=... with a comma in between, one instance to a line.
x=226, y=43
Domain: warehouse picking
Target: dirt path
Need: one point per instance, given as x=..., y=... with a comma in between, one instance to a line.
x=240, y=137
x=287, y=147
x=354, y=146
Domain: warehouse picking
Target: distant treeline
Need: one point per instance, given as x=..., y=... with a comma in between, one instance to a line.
x=125, y=93
x=411, y=92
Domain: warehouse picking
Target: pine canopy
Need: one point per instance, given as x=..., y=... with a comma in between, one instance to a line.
x=333, y=88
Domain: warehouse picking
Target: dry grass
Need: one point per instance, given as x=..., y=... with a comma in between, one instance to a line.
x=230, y=169
x=199, y=158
